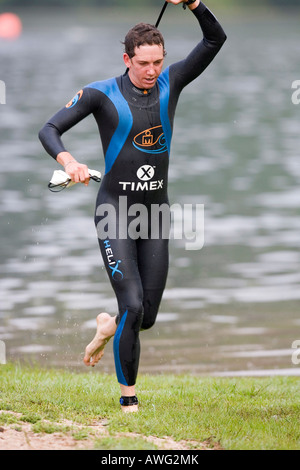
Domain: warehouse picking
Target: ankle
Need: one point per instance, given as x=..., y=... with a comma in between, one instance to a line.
x=129, y=401
x=129, y=404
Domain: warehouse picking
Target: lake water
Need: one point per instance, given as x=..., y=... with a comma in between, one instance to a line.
x=231, y=307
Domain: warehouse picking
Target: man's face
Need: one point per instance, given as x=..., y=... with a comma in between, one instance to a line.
x=146, y=66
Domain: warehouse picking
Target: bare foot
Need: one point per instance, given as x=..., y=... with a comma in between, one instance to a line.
x=130, y=409
x=106, y=328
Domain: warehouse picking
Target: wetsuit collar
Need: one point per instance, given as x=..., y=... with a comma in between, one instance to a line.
x=138, y=91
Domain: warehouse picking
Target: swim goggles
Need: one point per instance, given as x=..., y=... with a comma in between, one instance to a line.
x=61, y=180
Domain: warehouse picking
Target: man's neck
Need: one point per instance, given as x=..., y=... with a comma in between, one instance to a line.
x=139, y=91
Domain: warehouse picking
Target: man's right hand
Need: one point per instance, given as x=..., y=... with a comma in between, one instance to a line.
x=191, y=7
x=78, y=172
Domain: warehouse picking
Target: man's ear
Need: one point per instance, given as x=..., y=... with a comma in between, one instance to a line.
x=127, y=60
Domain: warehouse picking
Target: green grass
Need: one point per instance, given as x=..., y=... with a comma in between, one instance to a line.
x=236, y=413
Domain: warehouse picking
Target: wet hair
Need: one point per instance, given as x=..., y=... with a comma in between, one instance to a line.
x=140, y=35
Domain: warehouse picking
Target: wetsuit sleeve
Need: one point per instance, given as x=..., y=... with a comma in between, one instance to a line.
x=198, y=60
x=75, y=111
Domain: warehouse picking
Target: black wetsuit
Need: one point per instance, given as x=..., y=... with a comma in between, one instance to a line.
x=136, y=130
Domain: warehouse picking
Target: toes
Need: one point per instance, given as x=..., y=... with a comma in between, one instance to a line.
x=93, y=360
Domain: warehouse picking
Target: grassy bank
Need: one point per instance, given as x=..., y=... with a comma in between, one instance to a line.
x=175, y=411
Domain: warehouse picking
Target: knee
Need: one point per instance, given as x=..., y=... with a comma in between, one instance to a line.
x=135, y=314
x=149, y=320
x=147, y=324
x=152, y=299
x=135, y=305
x=150, y=315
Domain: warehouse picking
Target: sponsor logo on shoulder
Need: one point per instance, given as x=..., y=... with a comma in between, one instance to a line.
x=75, y=100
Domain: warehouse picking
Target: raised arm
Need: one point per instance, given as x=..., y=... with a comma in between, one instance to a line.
x=213, y=39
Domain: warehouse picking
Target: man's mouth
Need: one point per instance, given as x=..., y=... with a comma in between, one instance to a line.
x=150, y=81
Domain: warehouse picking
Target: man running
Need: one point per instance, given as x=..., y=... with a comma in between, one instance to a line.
x=135, y=115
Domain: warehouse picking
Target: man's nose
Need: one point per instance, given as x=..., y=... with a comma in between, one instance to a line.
x=150, y=70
